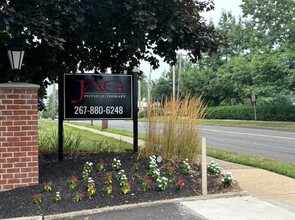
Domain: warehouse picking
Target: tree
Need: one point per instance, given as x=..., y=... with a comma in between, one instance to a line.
x=49, y=103
x=71, y=35
x=250, y=64
x=272, y=22
x=162, y=88
x=271, y=75
x=206, y=78
x=214, y=86
x=144, y=88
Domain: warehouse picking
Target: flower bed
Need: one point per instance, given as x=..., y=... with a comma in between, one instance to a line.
x=112, y=179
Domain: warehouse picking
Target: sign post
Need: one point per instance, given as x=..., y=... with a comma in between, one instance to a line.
x=60, y=115
x=204, y=167
x=135, y=111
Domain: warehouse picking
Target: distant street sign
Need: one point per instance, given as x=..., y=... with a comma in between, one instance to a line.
x=98, y=96
x=253, y=98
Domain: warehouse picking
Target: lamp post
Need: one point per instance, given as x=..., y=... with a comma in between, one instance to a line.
x=16, y=53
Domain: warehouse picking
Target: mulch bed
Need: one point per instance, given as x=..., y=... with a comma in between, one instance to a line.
x=19, y=202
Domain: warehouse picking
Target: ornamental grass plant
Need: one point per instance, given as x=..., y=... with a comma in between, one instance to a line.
x=173, y=129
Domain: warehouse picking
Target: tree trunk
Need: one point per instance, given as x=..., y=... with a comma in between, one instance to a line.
x=104, y=124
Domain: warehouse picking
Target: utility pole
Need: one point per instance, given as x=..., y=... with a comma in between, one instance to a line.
x=173, y=81
x=149, y=86
x=139, y=94
x=53, y=104
x=178, y=78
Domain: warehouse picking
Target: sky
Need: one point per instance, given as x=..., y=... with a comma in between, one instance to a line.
x=214, y=15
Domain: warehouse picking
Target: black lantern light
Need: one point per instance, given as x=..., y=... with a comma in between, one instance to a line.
x=16, y=53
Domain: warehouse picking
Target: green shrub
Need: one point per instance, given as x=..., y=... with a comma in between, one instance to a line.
x=155, y=111
x=141, y=113
x=264, y=113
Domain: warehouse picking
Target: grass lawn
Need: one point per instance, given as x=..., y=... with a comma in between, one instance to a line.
x=278, y=125
x=89, y=142
x=263, y=163
x=288, y=126
x=111, y=130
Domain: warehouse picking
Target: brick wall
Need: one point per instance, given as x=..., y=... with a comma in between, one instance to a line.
x=18, y=135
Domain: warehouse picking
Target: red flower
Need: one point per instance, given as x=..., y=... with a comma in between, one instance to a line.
x=149, y=181
x=47, y=183
x=180, y=182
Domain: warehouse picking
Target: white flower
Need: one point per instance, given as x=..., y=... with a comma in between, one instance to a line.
x=90, y=180
x=123, y=177
x=89, y=163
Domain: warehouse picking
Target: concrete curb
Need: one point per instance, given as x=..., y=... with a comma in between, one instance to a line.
x=130, y=206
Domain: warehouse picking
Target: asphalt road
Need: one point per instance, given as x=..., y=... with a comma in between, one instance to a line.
x=278, y=145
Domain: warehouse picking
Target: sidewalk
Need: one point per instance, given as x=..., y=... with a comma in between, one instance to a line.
x=268, y=188
x=261, y=183
x=202, y=208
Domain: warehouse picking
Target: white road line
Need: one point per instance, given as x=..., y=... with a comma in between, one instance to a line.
x=249, y=134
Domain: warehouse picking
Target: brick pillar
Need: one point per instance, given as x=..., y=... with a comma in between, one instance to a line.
x=18, y=135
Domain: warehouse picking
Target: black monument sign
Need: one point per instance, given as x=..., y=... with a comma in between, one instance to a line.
x=98, y=96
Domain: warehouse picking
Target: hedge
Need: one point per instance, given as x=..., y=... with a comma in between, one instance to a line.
x=263, y=113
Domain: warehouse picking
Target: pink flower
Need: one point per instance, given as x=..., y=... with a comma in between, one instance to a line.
x=74, y=178
x=180, y=182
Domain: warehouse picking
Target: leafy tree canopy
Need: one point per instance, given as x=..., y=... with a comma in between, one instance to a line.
x=259, y=58
x=87, y=35
x=272, y=22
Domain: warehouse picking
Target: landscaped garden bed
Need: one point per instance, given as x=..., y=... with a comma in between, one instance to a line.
x=64, y=187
